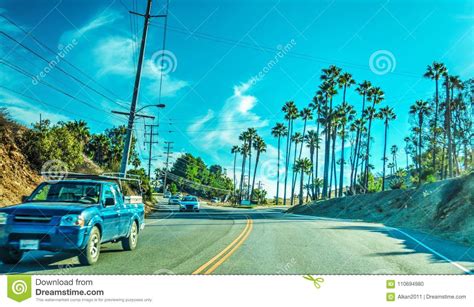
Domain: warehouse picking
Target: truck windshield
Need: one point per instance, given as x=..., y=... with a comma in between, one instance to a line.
x=69, y=192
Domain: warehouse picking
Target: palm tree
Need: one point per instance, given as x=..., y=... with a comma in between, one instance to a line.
x=295, y=138
x=376, y=95
x=455, y=83
x=235, y=150
x=394, y=152
x=407, y=149
x=359, y=127
x=434, y=72
x=345, y=81
x=251, y=136
x=259, y=146
x=329, y=90
x=278, y=131
x=312, y=142
x=244, y=149
x=386, y=114
x=317, y=104
x=304, y=167
x=420, y=109
x=305, y=114
x=291, y=113
x=346, y=114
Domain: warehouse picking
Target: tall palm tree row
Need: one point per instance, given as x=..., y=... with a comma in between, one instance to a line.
x=445, y=126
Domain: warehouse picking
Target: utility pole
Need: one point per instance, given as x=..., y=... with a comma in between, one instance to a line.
x=168, y=153
x=131, y=118
x=151, y=133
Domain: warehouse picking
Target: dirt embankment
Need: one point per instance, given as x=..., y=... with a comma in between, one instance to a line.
x=444, y=208
x=17, y=177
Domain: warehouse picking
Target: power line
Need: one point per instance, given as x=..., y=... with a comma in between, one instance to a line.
x=59, y=68
x=55, y=53
x=24, y=72
x=49, y=104
x=272, y=50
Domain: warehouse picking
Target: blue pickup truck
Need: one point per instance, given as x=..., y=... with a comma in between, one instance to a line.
x=70, y=216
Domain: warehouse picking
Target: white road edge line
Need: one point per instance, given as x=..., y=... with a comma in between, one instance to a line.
x=431, y=250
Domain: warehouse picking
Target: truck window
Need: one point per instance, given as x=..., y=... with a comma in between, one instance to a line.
x=118, y=195
x=108, y=192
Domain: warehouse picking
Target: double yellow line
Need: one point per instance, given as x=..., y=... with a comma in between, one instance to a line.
x=216, y=261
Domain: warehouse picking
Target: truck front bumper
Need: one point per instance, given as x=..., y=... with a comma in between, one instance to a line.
x=49, y=237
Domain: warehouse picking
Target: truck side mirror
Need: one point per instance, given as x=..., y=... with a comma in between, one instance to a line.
x=109, y=201
x=24, y=198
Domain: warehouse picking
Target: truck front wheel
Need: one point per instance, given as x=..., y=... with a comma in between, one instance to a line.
x=10, y=256
x=90, y=254
x=130, y=243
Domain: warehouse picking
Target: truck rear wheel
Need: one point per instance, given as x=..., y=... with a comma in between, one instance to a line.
x=90, y=254
x=130, y=243
x=10, y=256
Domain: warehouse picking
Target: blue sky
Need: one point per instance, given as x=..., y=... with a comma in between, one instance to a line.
x=217, y=47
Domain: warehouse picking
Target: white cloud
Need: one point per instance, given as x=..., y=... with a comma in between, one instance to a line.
x=27, y=113
x=114, y=57
x=103, y=19
x=234, y=117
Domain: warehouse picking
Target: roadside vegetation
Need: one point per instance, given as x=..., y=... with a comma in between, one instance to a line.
x=438, y=146
x=190, y=174
x=71, y=143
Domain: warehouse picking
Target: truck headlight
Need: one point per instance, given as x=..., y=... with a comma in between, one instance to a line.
x=72, y=220
x=3, y=218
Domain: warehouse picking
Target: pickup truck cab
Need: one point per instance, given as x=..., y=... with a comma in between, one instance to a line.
x=70, y=216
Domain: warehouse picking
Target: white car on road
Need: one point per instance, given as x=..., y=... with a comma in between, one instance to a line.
x=189, y=203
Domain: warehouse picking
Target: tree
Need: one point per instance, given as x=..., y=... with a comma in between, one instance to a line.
x=434, y=72
x=312, y=140
x=394, y=152
x=235, y=150
x=346, y=113
x=359, y=127
x=304, y=167
x=328, y=88
x=279, y=131
x=259, y=146
x=251, y=135
x=420, y=109
x=316, y=105
x=291, y=113
x=244, y=149
x=376, y=96
x=386, y=114
x=295, y=138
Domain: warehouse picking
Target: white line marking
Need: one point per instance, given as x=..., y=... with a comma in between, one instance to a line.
x=432, y=250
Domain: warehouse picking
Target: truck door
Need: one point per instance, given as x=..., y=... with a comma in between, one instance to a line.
x=110, y=215
x=125, y=214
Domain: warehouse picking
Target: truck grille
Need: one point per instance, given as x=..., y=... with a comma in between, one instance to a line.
x=32, y=219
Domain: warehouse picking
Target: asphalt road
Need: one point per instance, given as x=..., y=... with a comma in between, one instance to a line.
x=262, y=241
